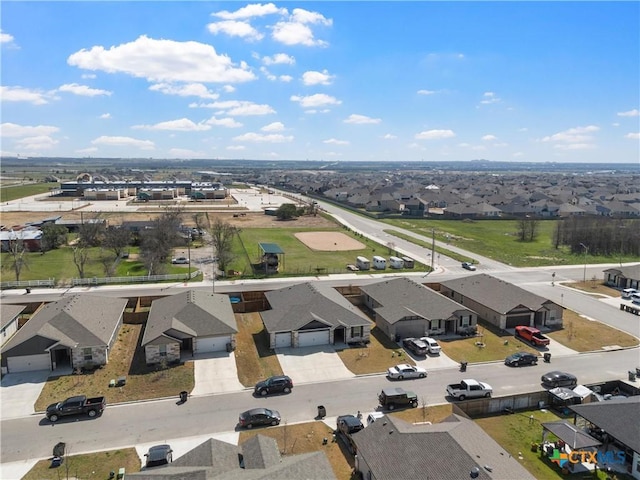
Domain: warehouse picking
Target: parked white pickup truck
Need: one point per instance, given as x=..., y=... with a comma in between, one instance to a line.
x=469, y=388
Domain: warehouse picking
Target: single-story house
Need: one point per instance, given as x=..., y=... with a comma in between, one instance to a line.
x=627, y=276
x=453, y=449
x=77, y=331
x=313, y=314
x=31, y=239
x=9, y=317
x=501, y=303
x=191, y=321
x=258, y=458
x=616, y=422
x=404, y=308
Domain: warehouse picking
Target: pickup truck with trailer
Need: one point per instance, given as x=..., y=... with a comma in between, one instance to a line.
x=532, y=335
x=79, y=405
x=469, y=388
x=392, y=398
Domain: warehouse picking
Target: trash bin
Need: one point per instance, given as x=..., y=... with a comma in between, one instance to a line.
x=547, y=357
x=463, y=366
x=632, y=376
x=322, y=412
x=28, y=290
x=183, y=396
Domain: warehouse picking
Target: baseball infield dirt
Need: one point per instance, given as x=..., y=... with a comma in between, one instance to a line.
x=329, y=241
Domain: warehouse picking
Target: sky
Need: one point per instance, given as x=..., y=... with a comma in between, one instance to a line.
x=330, y=81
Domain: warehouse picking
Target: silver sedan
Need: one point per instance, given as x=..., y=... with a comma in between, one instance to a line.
x=404, y=370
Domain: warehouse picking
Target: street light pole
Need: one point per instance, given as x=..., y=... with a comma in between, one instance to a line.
x=584, y=274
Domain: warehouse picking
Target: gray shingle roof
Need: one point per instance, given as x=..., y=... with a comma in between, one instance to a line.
x=80, y=320
x=447, y=451
x=8, y=313
x=296, y=306
x=627, y=271
x=194, y=313
x=402, y=297
x=494, y=293
x=617, y=417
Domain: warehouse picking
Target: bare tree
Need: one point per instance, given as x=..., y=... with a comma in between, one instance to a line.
x=527, y=229
x=108, y=265
x=157, y=242
x=116, y=240
x=80, y=258
x=91, y=232
x=223, y=234
x=17, y=259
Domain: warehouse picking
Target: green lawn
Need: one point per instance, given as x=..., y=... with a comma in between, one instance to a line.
x=13, y=192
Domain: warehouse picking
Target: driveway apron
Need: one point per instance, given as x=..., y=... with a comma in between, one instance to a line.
x=19, y=392
x=312, y=364
x=215, y=373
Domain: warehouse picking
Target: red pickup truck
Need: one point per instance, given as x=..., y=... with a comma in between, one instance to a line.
x=532, y=335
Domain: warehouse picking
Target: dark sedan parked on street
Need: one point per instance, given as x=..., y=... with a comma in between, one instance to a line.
x=259, y=416
x=518, y=359
x=559, y=379
x=275, y=384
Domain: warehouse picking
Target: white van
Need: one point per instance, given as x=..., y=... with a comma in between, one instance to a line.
x=363, y=263
x=635, y=298
x=395, y=262
x=379, y=263
x=627, y=292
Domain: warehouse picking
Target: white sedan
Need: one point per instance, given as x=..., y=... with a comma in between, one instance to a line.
x=404, y=370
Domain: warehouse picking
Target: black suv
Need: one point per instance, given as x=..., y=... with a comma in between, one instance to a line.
x=347, y=425
x=392, y=398
x=276, y=384
x=416, y=346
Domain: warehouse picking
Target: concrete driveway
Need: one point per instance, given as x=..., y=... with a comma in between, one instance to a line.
x=434, y=362
x=19, y=392
x=215, y=373
x=312, y=364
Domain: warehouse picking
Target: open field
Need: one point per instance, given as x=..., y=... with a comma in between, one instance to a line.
x=13, y=192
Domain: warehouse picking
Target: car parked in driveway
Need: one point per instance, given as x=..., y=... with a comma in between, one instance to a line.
x=469, y=266
x=559, y=379
x=275, y=384
x=433, y=347
x=257, y=417
x=180, y=261
x=404, y=370
x=158, y=455
x=518, y=359
x=415, y=345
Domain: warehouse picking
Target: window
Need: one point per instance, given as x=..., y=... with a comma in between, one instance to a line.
x=163, y=350
x=356, y=331
x=88, y=354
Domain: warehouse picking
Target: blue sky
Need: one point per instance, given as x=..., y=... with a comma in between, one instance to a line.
x=351, y=81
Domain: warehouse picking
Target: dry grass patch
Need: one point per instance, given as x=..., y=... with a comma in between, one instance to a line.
x=126, y=359
x=91, y=465
x=585, y=335
x=380, y=354
x=595, y=287
x=254, y=359
x=308, y=437
x=425, y=413
x=492, y=346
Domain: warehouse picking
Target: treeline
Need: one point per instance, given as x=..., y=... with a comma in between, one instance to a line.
x=599, y=236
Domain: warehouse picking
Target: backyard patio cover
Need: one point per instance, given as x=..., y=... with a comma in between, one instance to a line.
x=571, y=435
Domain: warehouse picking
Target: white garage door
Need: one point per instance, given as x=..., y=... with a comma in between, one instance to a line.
x=29, y=363
x=316, y=337
x=211, y=344
x=283, y=340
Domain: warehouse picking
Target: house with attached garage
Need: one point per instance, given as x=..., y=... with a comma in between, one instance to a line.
x=627, y=276
x=453, y=449
x=76, y=331
x=9, y=317
x=188, y=322
x=313, y=314
x=501, y=303
x=404, y=308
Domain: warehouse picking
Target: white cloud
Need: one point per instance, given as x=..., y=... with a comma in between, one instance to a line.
x=123, y=142
x=389, y=136
x=258, y=137
x=12, y=130
x=40, y=142
x=334, y=141
x=180, y=125
x=233, y=28
x=238, y=108
x=163, y=61
x=518, y=154
x=236, y=147
x=633, y=136
x=427, y=92
x=270, y=76
x=574, y=146
x=105, y=116
x=314, y=101
x=577, y=135
x=631, y=113
x=488, y=138
x=279, y=59
x=229, y=88
x=88, y=76
x=273, y=127
x=5, y=37
x=251, y=11
x=83, y=90
x=434, y=134
x=361, y=119
x=20, y=94
x=317, y=78
x=285, y=78
x=223, y=122
x=488, y=98
x=185, y=153
x=186, y=90
x=296, y=30
x=87, y=150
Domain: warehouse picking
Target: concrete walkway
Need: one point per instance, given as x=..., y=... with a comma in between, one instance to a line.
x=312, y=364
